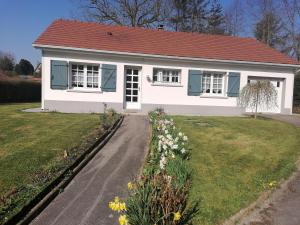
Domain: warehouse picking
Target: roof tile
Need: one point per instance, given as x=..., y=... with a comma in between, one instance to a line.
x=94, y=36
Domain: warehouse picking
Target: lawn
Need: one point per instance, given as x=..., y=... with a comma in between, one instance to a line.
x=32, y=147
x=234, y=160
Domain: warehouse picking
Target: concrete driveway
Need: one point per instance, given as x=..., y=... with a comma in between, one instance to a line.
x=292, y=119
x=283, y=206
x=85, y=200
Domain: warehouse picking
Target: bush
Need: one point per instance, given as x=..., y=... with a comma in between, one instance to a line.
x=20, y=91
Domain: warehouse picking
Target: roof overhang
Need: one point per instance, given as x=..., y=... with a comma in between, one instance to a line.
x=54, y=47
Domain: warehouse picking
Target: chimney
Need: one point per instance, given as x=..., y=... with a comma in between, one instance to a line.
x=160, y=27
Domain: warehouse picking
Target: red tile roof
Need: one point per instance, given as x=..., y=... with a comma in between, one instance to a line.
x=95, y=36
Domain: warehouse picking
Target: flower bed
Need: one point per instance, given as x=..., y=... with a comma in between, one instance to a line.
x=159, y=196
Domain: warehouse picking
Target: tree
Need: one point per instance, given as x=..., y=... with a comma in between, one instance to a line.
x=234, y=18
x=24, y=67
x=290, y=14
x=134, y=13
x=189, y=15
x=269, y=30
x=215, y=19
x=179, y=15
x=7, y=62
x=260, y=94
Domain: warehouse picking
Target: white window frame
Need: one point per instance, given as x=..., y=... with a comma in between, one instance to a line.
x=212, y=75
x=85, y=87
x=168, y=73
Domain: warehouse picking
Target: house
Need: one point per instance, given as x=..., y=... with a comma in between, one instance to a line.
x=89, y=65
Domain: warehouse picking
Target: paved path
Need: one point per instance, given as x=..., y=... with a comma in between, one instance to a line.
x=85, y=200
x=283, y=206
x=292, y=119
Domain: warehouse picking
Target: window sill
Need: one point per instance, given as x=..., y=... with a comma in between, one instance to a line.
x=84, y=91
x=167, y=84
x=214, y=96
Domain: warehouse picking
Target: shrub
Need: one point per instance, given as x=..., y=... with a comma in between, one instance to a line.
x=20, y=91
x=108, y=117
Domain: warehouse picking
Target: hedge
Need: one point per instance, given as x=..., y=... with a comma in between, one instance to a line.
x=297, y=91
x=20, y=91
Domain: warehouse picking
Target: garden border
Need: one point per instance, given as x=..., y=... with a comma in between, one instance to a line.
x=35, y=206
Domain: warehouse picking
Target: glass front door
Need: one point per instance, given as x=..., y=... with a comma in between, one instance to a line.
x=132, y=88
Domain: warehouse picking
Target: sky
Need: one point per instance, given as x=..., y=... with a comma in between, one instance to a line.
x=22, y=21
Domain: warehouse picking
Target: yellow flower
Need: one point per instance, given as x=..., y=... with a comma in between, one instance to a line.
x=177, y=216
x=123, y=220
x=130, y=186
x=116, y=205
x=272, y=184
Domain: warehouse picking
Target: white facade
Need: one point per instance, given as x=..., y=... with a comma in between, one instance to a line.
x=173, y=98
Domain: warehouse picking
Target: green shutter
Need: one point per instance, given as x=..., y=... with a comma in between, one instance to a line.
x=233, y=84
x=195, y=82
x=109, y=77
x=59, y=75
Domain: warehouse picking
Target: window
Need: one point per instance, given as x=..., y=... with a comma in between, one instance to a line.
x=85, y=76
x=212, y=83
x=166, y=76
x=92, y=76
x=77, y=76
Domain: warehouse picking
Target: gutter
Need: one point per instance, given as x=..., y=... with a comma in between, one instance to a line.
x=40, y=46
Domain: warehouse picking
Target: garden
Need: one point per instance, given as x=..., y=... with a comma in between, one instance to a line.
x=36, y=147
x=203, y=170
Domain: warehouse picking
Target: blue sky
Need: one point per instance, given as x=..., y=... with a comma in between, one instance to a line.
x=22, y=21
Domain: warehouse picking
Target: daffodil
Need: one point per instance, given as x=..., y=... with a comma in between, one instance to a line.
x=116, y=205
x=177, y=216
x=130, y=186
x=123, y=220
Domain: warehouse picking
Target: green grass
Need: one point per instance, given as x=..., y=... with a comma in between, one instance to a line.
x=234, y=159
x=35, y=142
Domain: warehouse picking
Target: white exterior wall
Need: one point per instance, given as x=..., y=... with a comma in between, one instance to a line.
x=153, y=94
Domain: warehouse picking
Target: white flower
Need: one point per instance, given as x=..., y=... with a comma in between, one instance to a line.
x=180, y=134
x=169, y=136
x=166, y=131
x=173, y=156
x=176, y=139
x=182, y=151
x=159, y=145
x=165, y=147
x=185, y=138
x=174, y=146
x=162, y=162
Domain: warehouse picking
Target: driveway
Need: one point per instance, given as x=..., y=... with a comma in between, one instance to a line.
x=85, y=200
x=283, y=206
x=292, y=119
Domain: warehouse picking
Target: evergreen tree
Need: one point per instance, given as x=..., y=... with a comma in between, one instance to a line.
x=198, y=16
x=269, y=30
x=216, y=19
x=179, y=19
x=24, y=67
x=189, y=15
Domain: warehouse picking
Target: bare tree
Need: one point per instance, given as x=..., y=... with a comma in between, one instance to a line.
x=291, y=18
x=135, y=13
x=259, y=94
x=234, y=18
